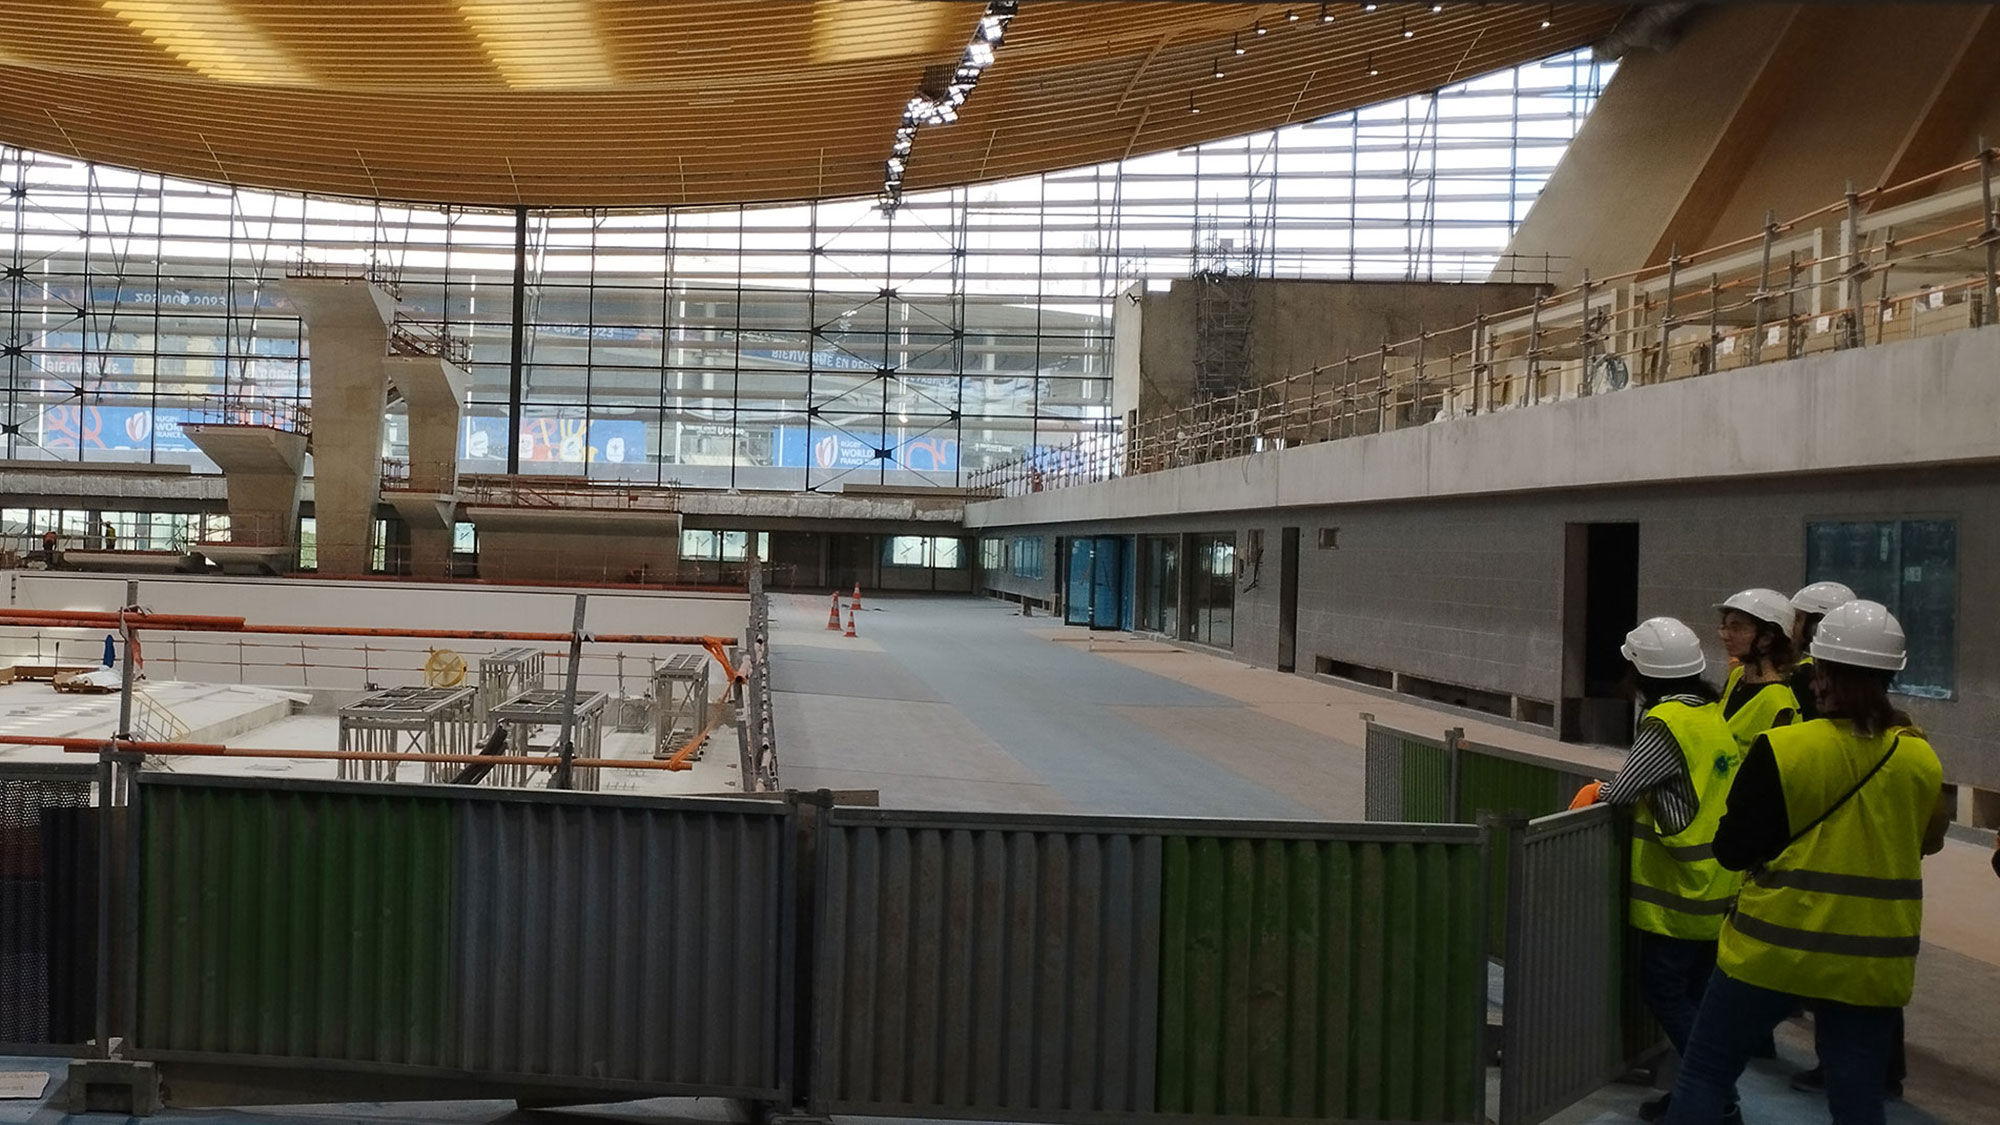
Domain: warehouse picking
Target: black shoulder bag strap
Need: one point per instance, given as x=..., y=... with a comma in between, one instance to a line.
x=1849, y=795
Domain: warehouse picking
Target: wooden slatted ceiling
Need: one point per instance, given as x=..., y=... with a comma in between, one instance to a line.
x=597, y=103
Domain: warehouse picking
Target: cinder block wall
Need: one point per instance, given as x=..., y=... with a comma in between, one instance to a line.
x=1470, y=591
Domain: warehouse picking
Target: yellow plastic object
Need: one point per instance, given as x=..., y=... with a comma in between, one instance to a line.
x=445, y=668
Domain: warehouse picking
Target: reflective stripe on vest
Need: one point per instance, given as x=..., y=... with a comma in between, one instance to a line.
x=1760, y=711
x=1839, y=914
x=1677, y=887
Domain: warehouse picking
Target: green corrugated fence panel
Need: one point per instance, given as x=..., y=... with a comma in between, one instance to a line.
x=292, y=923
x=1321, y=979
x=1426, y=783
x=1488, y=784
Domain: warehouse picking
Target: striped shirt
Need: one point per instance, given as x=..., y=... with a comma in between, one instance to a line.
x=1656, y=772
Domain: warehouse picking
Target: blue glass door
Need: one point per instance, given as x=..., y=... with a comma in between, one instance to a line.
x=1077, y=605
x=1108, y=581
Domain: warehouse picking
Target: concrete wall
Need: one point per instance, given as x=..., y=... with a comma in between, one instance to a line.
x=1470, y=591
x=1763, y=107
x=1451, y=536
x=1003, y=580
x=1298, y=324
x=1819, y=414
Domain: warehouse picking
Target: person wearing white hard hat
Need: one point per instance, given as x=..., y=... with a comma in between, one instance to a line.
x=1831, y=819
x=1675, y=779
x=1809, y=605
x=1756, y=633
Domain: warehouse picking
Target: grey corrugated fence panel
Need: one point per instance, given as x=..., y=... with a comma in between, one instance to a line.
x=980, y=969
x=48, y=908
x=1567, y=988
x=1498, y=782
x=1407, y=777
x=526, y=939
x=630, y=944
x=1010, y=966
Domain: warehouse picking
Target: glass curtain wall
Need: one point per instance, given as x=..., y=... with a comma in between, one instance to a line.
x=788, y=347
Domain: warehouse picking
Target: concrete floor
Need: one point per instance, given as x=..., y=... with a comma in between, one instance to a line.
x=962, y=703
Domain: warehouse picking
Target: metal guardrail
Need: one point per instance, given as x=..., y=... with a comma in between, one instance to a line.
x=1058, y=968
x=1875, y=267
x=390, y=278
x=409, y=336
x=280, y=414
x=534, y=491
x=756, y=727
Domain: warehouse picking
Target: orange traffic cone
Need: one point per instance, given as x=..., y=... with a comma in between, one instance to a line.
x=857, y=595
x=850, y=625
x=833, y=614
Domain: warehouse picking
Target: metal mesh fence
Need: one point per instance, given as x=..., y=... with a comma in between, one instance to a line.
x=48, y=902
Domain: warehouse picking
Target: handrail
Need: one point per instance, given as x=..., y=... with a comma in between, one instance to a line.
x=1821, y=281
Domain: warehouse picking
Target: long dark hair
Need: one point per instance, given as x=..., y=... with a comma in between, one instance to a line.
x=1859, y=695
x=1773, y=646
x=1652, y=689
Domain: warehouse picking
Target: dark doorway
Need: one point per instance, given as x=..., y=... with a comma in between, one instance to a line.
x=1288, y=599
x=1600, y=605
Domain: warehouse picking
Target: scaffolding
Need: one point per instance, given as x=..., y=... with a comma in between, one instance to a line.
x=1224, y=277
x=406, y=720
x=544, y=708
x=680, y=703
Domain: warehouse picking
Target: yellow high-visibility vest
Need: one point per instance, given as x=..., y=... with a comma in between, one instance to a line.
x=1761, y=712
x=1677, y=887
x=1838, y=916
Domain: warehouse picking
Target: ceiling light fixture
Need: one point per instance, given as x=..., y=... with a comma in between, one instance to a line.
x=1407, y=33
x=942, y=91
x=1436, y=8
x=1548, y=17
x=1325, y=13
x=1217, y=68
x=1258, y=27
x=1372, y=72
x=1193, y=106
x=1369, y=7
x=1236, y=44
x=1291, y=15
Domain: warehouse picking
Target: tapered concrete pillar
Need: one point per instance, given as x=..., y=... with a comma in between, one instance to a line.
x=347, y=326
x=431, y=519
x=434, y=390
x=261, y=468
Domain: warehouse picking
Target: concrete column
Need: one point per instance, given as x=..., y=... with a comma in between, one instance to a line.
x=347, y=326
x=261, y=468
x=431, y=518
x=434, y=391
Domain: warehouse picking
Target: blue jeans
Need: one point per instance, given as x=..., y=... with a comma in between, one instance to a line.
x=1855, y=1045
x=1673, y=972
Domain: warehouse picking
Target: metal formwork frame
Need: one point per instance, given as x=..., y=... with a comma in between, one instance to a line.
x=504, y=675
x=544, y=708
x=406, y=720
x=680, y=703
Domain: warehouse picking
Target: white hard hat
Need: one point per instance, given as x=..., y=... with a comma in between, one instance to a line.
x=1762, y=604
x=1861, y=633
x=1821, y=597
x=1665, y=649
